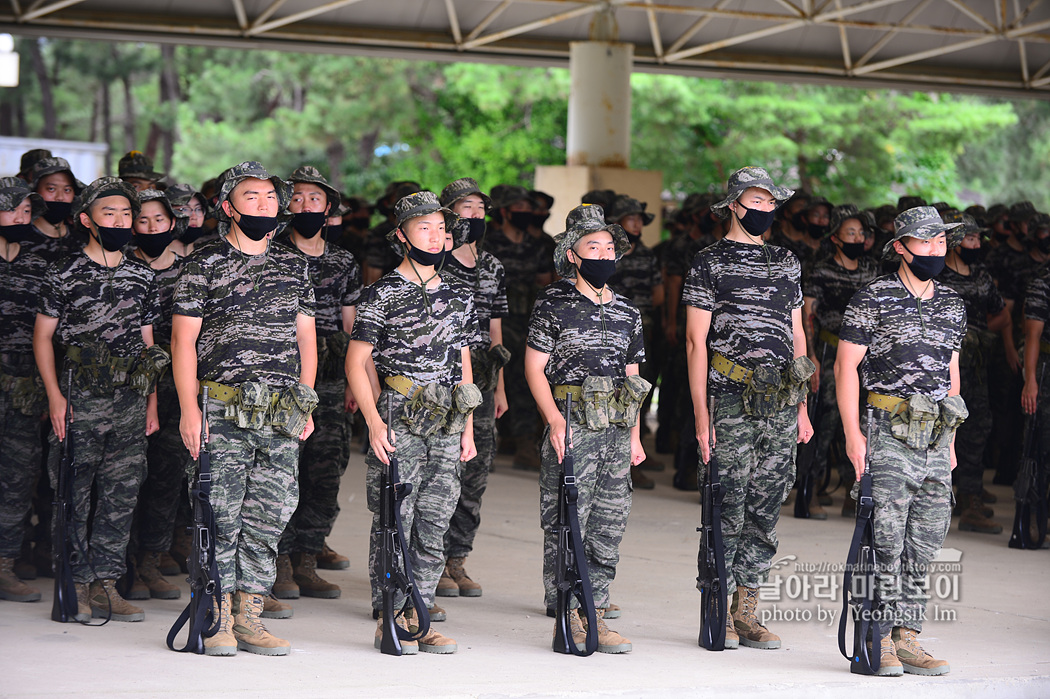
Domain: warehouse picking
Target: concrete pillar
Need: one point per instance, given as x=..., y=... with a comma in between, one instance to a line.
x=600, y=103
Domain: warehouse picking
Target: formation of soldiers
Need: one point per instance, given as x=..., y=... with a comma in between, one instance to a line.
x=458, y=313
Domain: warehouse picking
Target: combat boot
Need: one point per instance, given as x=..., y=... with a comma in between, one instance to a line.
x=149, y=572
x=608, y=640
x=310, y=584
x=249, y=631
x=105, y=599
x=274, y=608
x=732, y=637
x=407, y=647
x=433, y=642
x=284, y=586
x=167, y=564
x=915, y=660
x=83, y=614
x=447, y=587
x=816, y=510
x=613, y=611
x=13, y=589
x=467, y=587
x=972, y=519
x=330, y=560
x=640, y=480
x=576, y=630
x=181, y=546
x=24, y=567
x=437, y=613
x=138, y=589
x=223, y=642
x=752, y=633
x=889, y=663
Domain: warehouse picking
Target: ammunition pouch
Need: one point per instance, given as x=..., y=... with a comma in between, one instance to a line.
x=425, y=411
x=149, y=369
x=293, y=409
x=795, y=384
x=624, y=408
x=953, y=413
x=465, y=398
x=97, y=371
x=250, y=405
x=485, y=365
x=27, y=393
x=762, y=393
x=971, y=356
x=331, y=355
x=922, y=420
x=597, y=393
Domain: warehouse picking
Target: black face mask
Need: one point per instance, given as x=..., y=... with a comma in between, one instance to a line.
x=477, y=227
x=255, y=227
x=596, y=272
x=427, y=259
x=755, y=222
x=1043, y=245
x=633, y=238
x=18, y=233
x=970, y=256
x=799, y=222
x=153, y=244
x=925, y=267
x=1001, y=237
x=852, y=250
x=335, y=231
x=191, y=235
x=112, y=239
x=308, y=223
x=57, y=211
x=817, y=232
x=539, y=219
x=520, y=219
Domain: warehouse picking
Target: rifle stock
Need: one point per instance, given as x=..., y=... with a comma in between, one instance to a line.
x=711, y=568
x=64, y=606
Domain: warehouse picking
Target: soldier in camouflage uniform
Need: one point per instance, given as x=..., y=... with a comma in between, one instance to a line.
x=29, y=159
x=102, y=307
x=747, y=348
x=188, y=202
x=22, y=398
x=586, y=339
x=379, y=258
x=52, y=236
x=1036, y=394
x=907, y=330
x=482, y=273
x=418, y=327
x=336, y=278
x=136, y=168
x=986, y=316
x=243, y=325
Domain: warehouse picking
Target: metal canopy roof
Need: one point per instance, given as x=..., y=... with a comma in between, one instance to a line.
x=990, y=46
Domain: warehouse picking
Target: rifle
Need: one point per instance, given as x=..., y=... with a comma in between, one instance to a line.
x=64, y=607
x=808, y=452
x=860, y=565
x=1030, y=488
x=205, y=584
x=710, y=559
x=393, y=567
x=571, y=576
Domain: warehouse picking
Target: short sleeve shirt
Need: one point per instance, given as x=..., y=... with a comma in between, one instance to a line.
x=978, y=292
x=832, y=286
x=488, y=282
x=522, y=262
x=1037, y=302
x=20, y=282
x=164, y=281
x=636, y=276
x=336, y=278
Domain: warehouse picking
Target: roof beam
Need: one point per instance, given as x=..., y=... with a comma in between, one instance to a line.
x=696, y=26
x=297, y=16
x=38, y=9
x=976, y=17
x=268, y=12
x=1023, y=15
x=529, y=26
x=734, y=40
x=923, y=55
x=847, y=60
x=16, y=7
x=453, y=21
x=654, y=32
x=885, y=38
x=487, y=19
x=242, y=16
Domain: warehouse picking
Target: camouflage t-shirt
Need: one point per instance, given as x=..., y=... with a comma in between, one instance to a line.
x=806, y=255
x=336, y=278
x=584, y=338
x=522, y=262
x=1037, y=302
x=910, y=342
x=411, y=340
x=750, y=291
x=832, y=286
x=248, y=306
x=54, y=249
x=164, y=281
x=1005, y=265
x=978, y=292
x=99, y=304
x=636, y=275
x=680, y=251
x=487, y=280
x=377, y=249
x=20, y=282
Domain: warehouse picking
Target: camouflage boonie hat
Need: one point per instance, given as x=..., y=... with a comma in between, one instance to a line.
x=920, y=222
x=745, y=178
x=463, y=187
x=996, y=212
x=624, y=205
x=539, y=197
x=31, y=158
x=698, y=201
x=413, y=206
x=138, y=165
x=1038, y=222
x=816, y=201
x=844, y=212
x=585, y=219
x=105, y=187
x=968, y=225
x=909, y=202
x=942, y=206
x=1021, y=211
x=179, y=220
x=393, y=189
x=251, y=169
x=602, y=197
x=885, y=214
x=50, y=166
x=308, y=173
x=14, y=191
x=506, y=194
x=182, y=194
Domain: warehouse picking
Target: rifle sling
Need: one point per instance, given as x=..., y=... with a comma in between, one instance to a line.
x=863, y=530
x=583, y=592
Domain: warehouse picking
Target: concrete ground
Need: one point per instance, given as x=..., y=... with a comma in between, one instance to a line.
x=993, y=608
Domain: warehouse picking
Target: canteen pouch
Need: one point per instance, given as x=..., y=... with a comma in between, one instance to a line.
x=149, y=369
x=761, y=397
x=624, y=409
x=251, y=406
x=953, y=413
x=27, y=394
x=597, y=394
x=485, y=365
x=922, y=421
x=465, y=398
x=795, y=385
x=425, y=413
x=293, y=410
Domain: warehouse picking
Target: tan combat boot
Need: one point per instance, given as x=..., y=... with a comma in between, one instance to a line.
x=467, y=587
x=284, y=586
x=752, y=633
x=138, y=590
x=13, y=589
x=330, y=560
x=149, y=572
x=732, y=637
x=310, y=584
x=249, y=631
x=437, y=613
x=105, y=598
x=613, y=611
x=916, y=661
x=167, y=564
x=972, y=518
x=274, y=608
x=407, y=647
x=889, y=664
x=447, y=587
x=576, y=629
x=608, y=640
x=223, y=642
x=83, y=602
x=181, y=546
x=433, y=642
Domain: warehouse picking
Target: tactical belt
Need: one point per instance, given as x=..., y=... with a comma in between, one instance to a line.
x=116, y=363
x=887, y=403
x=562, y=391
x=730, y=369
x=219, y=392
x=829, y=338
x=1044, y=347
x=403, y=385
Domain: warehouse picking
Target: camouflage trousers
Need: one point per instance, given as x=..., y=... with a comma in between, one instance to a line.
x=167, y=464
x=522, y=419
x=831, y=438
x=322, y=462
x=254, y=491
x=602, y=460
x=756, y=461
x=912, y=491
x=432, y=466
x=972, y=436
x=109, y=456
x=474, y=478
x=20, y=453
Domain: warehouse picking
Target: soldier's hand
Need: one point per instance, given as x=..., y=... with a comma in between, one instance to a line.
x=704, y=436
x=152, y=420
x=557, y=436
x=308, y=430
x=856, y=450
x=500, y=399
x=1030, y=396
x=637, y=451
x=190, y=429
x=349, y=402
x=377, y=439
x=1013, y=360
x=805, y=429
x=57, y=409
x=467, y=450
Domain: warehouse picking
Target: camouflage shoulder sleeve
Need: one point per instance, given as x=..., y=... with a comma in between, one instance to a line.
x=352, y=289
x=371, y=317
x=500, y=309
x=299, y=269
x=993, y=300
x=636, y=346
x=471, y=330
x=543, y=324
x=699, y=289
x=52, y=300
x=1037, y=299
x=191, y=290
x=861, y=317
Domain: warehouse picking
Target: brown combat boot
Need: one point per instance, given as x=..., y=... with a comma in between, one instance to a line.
x=83, y=614
x=972, y=518
x=284, y=586
x=447, y=587
x=576, y=629
x=889, y=663
x=13, y=589
x=310, y=584
x=732, y=637
x=437, y=613
x=915, y=660
x=249, y=631
x=24, y=567
x=167, y=565
x=467, y=587
x=181, y=547
x=274, y=608
x=330, y=560
x=407, y=647
x=223, y=642
x=752, y=633
x=433, y=642
x=138, y=590
x=613, y=611
x=608, y=640
x=104, y=598
x=149, y=572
